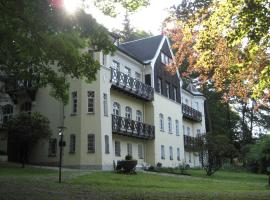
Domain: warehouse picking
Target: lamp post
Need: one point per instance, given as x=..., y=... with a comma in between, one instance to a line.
x=61, y=144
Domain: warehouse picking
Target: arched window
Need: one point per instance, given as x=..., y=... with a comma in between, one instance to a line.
x=161, y=122
x=139, y=116
x=116, y=109
x=170, y=124
x=128, y=112
x=26, y=107
x=7, y=112
x=176, y=127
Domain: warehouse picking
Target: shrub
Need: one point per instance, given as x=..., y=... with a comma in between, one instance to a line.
x=159, y=165
x=128, y=157
x=3, y=153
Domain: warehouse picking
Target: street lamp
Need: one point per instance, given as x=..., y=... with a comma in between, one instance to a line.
x=61, y=144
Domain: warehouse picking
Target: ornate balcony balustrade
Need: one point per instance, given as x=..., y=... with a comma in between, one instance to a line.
x=192, y=143
x=131, y=128
x=191, y=113
x=131, y=86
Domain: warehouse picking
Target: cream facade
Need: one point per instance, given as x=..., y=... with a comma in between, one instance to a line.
x=134, y=107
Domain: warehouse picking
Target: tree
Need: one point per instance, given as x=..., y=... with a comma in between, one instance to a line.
x=26, y=129
x=214, y=149
x=259, y=155
x=129, y=33
x=41, y=43
x=227, y=44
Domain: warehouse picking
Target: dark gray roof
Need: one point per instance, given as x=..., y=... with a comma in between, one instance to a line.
x=142, y=50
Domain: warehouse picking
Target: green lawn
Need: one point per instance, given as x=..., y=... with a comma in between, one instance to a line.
x=33, y=183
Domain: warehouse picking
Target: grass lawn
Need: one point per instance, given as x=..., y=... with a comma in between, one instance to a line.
x=35, y=183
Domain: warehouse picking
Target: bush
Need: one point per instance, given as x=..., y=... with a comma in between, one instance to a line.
x=128, y=157
x=159, y=165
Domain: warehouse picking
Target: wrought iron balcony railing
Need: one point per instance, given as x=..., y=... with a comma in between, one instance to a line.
x=131, y=128
x=131, y=86
x=191, y=113
x=192, y=143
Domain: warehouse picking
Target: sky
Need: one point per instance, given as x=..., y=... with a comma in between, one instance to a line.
x=147, y=18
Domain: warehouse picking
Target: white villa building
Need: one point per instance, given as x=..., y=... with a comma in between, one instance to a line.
x=134, y=107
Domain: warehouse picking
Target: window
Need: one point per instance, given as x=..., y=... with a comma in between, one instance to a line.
x=171, y=153
x=196, y=105
x=162, y=152
x=174, y=93
x=7, y=112
x=186, y=101
x=52, y=147
x=189, y=157
x=167, y=89
x=105, y=104
x=184, y=131
x=116, y=65
x=140, y=151
x=178, y=154
x=128, y=112
x=104, y=58
x=72, y=143
x=198, y=132
x=91, y=100
x=129, y=149
x=139, y=116
x=128, y=71
x=161, y=122
x=188, y=131
x=169, y=124
x=91, y=143
x=138, y=76
x=163, y=58
x=107, y=146
x=116, y=109
x=74, y=98
x=117, y=148
x=177, y=127
x=159, y=85
x=26, y=107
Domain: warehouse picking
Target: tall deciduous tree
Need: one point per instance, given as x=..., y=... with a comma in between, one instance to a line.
x=42, y=43
x=228, y=44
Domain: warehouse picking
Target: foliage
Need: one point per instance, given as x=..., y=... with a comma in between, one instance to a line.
x=26, y=129
x=259, y=154
x=41, y=43
x=227, y=44
x=128, y=157
x=214, y=149
x=126, y=166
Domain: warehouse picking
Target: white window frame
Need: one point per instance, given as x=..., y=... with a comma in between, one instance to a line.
x=169, y=124
x=127, y=71
x=139, y=117
x=177, y=132
x=105, y=104
x=91, y=143
x=171, y=152
x=74, y=106
x=116, y=65
x=162, y=152
x=175, y=93
x=90, y=102
x=107, y=144
x=117, y=148
x=129, y=149
x=140, y=151
x=116, y=108
x=161, y=122
x=128, y=112
x=72, y=143
x=167, y=86
x=159, y=85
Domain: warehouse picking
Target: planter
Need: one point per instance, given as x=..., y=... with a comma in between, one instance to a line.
x=126, y=166
x=3, y=158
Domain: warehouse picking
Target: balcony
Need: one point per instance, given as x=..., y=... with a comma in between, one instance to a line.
x=17, y=88
x=131, y=128
x=131, y=86
x=191, y=113
x=191, y=144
